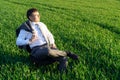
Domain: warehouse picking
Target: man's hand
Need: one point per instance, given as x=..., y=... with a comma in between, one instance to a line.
x=33, y=38
x=53, y=46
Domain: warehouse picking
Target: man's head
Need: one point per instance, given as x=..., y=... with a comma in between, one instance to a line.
x=33, y=15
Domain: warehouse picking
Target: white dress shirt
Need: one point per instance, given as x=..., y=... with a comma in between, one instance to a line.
x=42, y=33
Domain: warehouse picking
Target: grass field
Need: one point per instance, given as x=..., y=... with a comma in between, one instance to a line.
x=89, y=28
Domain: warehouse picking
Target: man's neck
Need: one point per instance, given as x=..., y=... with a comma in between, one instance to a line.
x=34, y=22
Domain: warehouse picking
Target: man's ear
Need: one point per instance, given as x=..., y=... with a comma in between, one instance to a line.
x=29, y=18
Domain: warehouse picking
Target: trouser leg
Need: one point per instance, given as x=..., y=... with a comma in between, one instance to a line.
x=62, y=63
x=39, y=62
x=39, y=56
x=57, y=53
x=61, y=66
x=47, y=51
x=45, y=55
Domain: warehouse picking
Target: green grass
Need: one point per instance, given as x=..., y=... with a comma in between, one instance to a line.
x=89, y=28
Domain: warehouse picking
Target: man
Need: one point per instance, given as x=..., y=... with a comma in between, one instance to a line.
x=36, y=35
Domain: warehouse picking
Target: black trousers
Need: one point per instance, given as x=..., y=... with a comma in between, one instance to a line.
x=43, y=55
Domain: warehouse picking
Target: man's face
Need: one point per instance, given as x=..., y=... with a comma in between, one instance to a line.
x=35, y=17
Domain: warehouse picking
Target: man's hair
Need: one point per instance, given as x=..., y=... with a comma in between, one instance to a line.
x=30, y=11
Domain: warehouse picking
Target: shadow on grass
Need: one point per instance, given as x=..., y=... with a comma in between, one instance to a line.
x=110, y=28
x=6, y=58
x=113, y=29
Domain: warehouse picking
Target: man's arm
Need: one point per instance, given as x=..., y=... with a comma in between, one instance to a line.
x=50, y=38
x=48, y=35
x=21, y=39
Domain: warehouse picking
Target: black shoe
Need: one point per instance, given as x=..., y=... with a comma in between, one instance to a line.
x=72, y=55
x=63, y=64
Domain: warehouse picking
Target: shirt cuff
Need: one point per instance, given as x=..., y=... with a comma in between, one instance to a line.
x=28, y=41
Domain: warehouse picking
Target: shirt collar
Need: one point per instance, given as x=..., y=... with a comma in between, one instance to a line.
x=33, y=23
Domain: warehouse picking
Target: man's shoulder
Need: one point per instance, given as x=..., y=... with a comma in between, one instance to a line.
x=25, y=25
x=42, y=24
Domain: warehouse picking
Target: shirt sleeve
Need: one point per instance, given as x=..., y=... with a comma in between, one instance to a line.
x=49, y=35
x=21, y=39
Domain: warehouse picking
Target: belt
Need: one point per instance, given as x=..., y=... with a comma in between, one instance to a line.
x=39, y=45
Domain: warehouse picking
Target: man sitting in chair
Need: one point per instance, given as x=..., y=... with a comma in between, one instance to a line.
x=35, y=35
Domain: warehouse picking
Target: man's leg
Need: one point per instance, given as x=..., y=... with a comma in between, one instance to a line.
x=62, y=66
x=47, y=51
x=38, y=62
x=39, y=55
x=58, y=53
x=40, y=52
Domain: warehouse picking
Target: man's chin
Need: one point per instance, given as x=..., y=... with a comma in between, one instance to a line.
x=36, y=21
